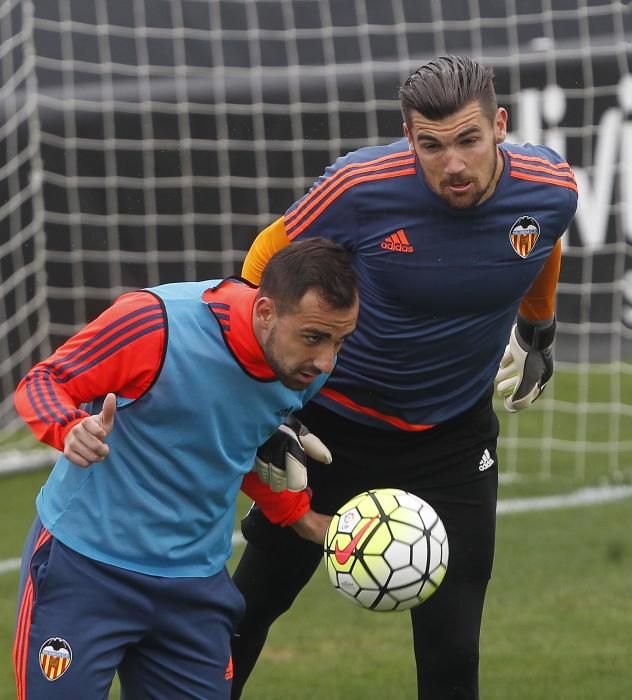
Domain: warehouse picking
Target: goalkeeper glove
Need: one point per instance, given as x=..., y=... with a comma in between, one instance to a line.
x=527, y=364
x=281, y=460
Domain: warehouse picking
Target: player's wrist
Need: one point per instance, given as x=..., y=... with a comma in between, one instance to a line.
x=535, y=335
x=312, y=526
x=301, y=505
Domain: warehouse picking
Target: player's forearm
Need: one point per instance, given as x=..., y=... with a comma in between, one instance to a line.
x=538, y=303
x=45, y=407
x=312, y=526
x=283, y=508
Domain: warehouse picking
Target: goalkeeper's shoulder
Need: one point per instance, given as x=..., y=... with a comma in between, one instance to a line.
x=541, y=173
x=268, y=242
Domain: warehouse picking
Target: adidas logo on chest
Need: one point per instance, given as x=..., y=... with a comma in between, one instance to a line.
x=397, y=242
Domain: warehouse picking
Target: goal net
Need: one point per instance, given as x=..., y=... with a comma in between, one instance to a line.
x=23, y=310
x=166, y=133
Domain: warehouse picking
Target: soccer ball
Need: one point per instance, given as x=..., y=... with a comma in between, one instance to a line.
x=386, y=549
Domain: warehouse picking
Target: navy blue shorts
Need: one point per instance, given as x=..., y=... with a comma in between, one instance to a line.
x=80, y=621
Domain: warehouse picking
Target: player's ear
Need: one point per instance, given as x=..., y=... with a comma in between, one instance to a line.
x=264, y=311
x=500, y=124
x=411, y=148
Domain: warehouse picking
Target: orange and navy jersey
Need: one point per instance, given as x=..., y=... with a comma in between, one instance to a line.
x=120, y=351
x=439, y=286
x=124, y=351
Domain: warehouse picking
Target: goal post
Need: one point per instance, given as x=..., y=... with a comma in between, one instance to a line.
x=162, y=135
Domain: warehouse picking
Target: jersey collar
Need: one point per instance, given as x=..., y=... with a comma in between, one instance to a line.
x=231, y=302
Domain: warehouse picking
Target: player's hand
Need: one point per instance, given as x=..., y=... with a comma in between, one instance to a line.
x=281, y=460
x=527, y=364
x=312, y=526
x=85, y=442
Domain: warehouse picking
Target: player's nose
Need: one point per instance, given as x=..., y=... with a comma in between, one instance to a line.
x=324, y=361
x=453, y=163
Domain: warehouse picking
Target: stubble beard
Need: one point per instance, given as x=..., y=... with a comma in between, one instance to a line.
x=479, y=194
x=283, y=374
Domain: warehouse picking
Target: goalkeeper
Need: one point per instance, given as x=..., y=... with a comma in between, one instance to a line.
x=455, y=237
x=124, y=568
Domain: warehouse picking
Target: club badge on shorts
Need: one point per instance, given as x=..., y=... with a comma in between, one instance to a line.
x=55, y=656
x=524, y=235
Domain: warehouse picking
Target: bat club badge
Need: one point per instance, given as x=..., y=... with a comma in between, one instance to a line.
x=55, y=656
x=524, y=235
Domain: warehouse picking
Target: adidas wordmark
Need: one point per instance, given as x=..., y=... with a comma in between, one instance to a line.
x=486, y=461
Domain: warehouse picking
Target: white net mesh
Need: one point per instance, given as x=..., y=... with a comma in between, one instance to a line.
x=23, y=316
x=172, y=131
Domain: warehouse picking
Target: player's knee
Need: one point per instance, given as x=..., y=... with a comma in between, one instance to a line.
x=261, y=612
x=273, y=569
x=264, y=602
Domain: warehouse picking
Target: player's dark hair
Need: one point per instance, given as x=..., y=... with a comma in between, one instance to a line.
x=445, y=85
x=315, y=263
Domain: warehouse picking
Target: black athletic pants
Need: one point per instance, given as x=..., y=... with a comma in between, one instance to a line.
x=448, y=466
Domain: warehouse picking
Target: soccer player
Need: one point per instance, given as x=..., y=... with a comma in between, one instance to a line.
x=124, y=568
x=456, y=239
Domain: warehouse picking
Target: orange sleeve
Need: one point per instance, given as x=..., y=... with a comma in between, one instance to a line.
x=283, y=508
x=266, y=244
x=538, y=304
x=120, y=351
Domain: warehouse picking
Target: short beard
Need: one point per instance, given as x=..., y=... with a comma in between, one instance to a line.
x=281, y=374
x=480, y=193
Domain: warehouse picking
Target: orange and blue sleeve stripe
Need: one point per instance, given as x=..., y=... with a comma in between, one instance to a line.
x=120, y=351
x=285, y=229
x=114, y=336
x=536, y=169
x=329, y=188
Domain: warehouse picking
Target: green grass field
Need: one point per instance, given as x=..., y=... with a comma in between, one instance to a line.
x=559, y=610
x=557, y=622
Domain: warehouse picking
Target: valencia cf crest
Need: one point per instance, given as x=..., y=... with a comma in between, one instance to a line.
x=55, y=656
x=524, y=234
